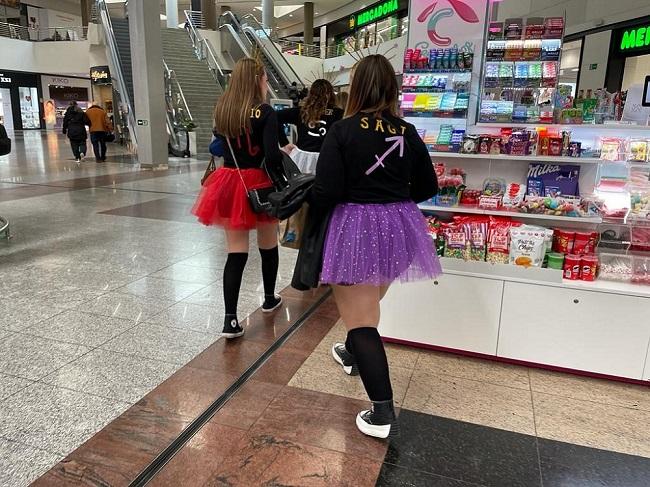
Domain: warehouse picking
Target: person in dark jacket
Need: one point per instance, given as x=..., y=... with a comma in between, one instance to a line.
x=74, y=126
x=372, y=169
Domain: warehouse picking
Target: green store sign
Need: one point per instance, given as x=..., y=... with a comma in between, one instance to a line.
x=374, y=13
x=635, y=38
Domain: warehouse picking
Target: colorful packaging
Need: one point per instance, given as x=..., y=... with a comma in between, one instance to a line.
x=563, y=241
x=585, y=243
x=527, y=247
x=553, y=180
x=572, y=264
x=588, y=267
x=555, y=260
x=498, y=241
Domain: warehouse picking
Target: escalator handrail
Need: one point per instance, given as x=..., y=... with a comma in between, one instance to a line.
x=109, y=34
x=172, y=113
x=200, y=44
x=245, y=50
x=292, y=75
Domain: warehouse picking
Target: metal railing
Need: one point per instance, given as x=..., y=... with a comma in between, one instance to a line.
x=296, y=48
x=195, y=19
x=178, y=116
x=50, y=34
x=232, y=28
x=202, y=48
x=118, y=74
x=270, y=49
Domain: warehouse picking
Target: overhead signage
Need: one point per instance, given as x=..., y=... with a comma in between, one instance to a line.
x=637, y=38
x=4, y=79
x=100, y=75
x=374, y=13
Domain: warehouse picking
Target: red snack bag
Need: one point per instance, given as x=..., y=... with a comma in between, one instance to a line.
x=581, y=243
x=563, y=241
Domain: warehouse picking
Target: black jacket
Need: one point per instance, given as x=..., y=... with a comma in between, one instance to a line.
x=5, y=141
x=74, y=124
x=306, y=274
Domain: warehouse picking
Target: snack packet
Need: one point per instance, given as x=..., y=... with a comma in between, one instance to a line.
x=527, y=246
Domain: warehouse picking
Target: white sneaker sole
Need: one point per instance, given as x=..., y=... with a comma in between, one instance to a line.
x=383, y=431
x=348, y=369
x=271, y=310
x=232, y=335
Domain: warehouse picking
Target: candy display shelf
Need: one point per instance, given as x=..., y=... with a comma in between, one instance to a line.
x=567, y=126
x=501, y=157
x=514, y=214
x=538, y=276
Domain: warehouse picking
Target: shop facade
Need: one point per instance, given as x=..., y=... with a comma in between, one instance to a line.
x=20, y=95
x=58, y=93
x=629, y=55
x=368, y=27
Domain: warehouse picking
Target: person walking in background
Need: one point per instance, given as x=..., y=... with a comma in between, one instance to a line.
x=372, y=168
x=74, y=126
x=248, y=129
x=312, y=119
x=100, y=127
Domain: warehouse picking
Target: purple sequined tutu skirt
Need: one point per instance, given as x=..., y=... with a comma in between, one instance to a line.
x=377, y=244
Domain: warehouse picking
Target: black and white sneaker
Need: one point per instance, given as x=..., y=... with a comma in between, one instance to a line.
x=271, y=303
x=232, y=328
x=345, y=359
x=380, y=421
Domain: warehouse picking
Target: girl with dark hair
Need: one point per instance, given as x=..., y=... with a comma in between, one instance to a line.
x=373, y=168
x=248, y=130
x=312, y=119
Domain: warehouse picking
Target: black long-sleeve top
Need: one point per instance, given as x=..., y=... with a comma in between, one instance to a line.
x=373, y=160
x=258, y=146
x=310, y=136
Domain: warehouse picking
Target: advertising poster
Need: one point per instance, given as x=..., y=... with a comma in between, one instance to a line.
x=447, y=24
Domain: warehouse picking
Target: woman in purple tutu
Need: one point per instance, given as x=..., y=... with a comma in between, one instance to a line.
x=372, y=168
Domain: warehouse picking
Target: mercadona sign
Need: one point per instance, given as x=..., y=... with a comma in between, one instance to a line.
x=378, y=11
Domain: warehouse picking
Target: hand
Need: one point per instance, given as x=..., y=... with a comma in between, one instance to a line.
x=288, y=148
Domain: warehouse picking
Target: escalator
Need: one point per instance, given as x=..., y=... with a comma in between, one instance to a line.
x=248, y=39
x=178, y=117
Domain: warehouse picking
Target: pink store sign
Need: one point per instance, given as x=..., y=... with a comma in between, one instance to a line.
x=447, y=24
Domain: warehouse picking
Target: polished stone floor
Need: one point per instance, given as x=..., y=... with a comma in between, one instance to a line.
x=107, y=287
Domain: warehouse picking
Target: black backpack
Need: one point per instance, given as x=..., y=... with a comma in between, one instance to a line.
x=5, y=142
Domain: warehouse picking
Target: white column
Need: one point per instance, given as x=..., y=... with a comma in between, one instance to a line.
x=171, y=10
x=148, y=84
x=268, y=15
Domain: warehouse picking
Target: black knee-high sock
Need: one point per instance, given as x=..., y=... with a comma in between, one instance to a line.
x=232, y=276
x=270, y=263
x=373, y=366
x=348, y=344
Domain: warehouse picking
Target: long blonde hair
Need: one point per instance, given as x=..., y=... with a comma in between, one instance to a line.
x=374, y=87
x=244, y=92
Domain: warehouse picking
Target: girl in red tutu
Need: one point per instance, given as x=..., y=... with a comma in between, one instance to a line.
x=248, y=128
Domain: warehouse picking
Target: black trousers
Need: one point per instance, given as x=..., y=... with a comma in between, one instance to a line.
x=99, y=144
x=78, y=147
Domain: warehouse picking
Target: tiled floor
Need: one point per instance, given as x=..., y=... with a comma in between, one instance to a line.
x=107, y=287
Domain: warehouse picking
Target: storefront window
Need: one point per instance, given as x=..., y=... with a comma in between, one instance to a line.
x=29, y=107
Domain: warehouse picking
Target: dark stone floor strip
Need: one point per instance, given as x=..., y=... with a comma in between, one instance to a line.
x=168, y=453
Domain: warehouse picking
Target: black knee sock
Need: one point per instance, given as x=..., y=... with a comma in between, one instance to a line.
x=270, y=263
x=232, y=276
x=371, y=359
x=348, y=344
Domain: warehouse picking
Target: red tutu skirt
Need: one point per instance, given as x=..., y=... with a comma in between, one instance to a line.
x=223, y=200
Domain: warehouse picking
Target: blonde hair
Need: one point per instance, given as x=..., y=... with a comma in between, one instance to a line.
x=374, y=87
x=244, y=92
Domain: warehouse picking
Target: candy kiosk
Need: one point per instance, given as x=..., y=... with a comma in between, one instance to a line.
x=542, y=222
